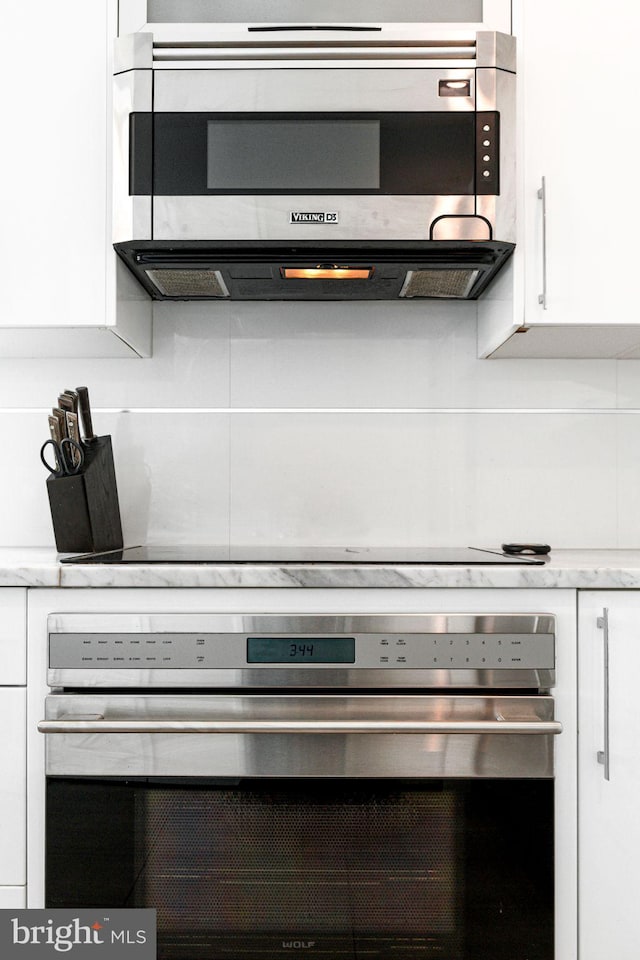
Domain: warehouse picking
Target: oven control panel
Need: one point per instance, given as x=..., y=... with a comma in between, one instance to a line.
x=277, y=650
x=258, y=651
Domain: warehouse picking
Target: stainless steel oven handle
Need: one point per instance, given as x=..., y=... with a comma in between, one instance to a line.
x=526, y=727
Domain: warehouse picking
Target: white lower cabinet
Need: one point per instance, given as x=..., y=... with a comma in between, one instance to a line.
x=13, y=750
x=13, y=897
x=609, y=773
x=13, y=785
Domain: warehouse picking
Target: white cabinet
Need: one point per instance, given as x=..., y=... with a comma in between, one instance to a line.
x=576, y=64
x=61, y=280
x=13, y=720
x=12, y=898
x=609, y=825
x=13, y=785
x=13, y=627
x=172, y=20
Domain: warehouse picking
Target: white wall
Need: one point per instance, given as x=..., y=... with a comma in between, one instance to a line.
x=338, y=423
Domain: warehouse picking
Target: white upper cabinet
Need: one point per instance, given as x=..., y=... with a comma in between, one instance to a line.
x=61, y=277
x=571, y=291
x=178, y=19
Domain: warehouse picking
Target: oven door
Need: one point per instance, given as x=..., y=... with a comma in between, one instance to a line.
x=359, y=826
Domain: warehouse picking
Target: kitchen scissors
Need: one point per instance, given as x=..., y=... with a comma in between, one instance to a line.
x=64, y=452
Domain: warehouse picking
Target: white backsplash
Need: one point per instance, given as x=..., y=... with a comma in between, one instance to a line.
x=366, y=423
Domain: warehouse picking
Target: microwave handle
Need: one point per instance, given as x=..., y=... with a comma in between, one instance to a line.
x=542, y=195
x=98, y=725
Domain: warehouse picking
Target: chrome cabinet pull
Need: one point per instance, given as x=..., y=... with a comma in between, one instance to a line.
x=603, y=755
x=539, y=727
x=542, y=195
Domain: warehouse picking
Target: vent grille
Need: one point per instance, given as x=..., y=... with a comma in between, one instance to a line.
x=188, y=283
x=439, y=283
x=317, y=50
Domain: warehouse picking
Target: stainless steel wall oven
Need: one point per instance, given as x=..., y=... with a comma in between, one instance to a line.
x=347, y=786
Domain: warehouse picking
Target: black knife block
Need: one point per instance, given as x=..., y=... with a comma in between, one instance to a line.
x=84, y=507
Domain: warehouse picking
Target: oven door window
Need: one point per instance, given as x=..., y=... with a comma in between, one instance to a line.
x=357, y=869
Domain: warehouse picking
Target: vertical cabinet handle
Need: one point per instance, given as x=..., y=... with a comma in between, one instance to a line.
x=542, y=195
x=603, y=755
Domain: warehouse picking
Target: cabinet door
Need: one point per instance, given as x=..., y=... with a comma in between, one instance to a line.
x=13, y=636
x=13, y=898
x=609, y=825
x=13, y=786
x=576, y=61
x=13, y=734
x=576, y=243
x=64, y=294
x=53, y=163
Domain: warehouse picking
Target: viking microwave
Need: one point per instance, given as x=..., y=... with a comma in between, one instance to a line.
x=272, y=166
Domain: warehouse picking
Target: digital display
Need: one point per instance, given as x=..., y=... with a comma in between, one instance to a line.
x=301, y=650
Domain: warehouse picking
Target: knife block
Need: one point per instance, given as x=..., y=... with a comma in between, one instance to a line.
x=84, y=507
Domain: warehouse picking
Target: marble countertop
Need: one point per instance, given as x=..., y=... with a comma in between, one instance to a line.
x=586, y=569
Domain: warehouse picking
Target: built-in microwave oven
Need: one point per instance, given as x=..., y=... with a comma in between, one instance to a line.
x=271, y=168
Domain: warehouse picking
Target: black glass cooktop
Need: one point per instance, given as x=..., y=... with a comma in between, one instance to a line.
x=383, y=555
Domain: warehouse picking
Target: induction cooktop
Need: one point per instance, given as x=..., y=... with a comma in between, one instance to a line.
x=463, y=556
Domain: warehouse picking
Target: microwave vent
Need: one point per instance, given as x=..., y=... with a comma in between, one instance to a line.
x=189, y=283
x=439, y=283
x=314, y=51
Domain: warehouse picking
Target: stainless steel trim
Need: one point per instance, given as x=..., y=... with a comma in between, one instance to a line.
x=496, y=90
x=133, y=51
x=312, y=735
x=219, y=218
x=603, y=756
x=132, y=91
x=542, y=195
x=272, y=678
x=495, y=49
x=330, y=623
x=526, y=728
x=312, y=89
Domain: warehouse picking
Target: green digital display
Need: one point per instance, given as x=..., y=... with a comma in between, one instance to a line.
x=301, y=650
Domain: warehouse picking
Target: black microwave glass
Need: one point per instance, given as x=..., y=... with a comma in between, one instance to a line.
x=410, y=153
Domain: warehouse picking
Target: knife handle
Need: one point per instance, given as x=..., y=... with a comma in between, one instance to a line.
x=60, y=416
x=85, y=413
x=55, y=432
x=74, y=434
x=73, y=396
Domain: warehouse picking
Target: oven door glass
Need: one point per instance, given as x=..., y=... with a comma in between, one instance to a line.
x=335, y=868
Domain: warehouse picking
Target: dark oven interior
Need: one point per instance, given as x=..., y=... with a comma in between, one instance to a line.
x=452, y=869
